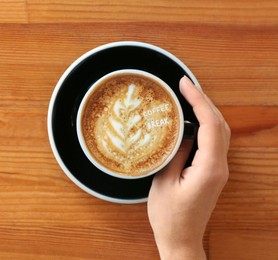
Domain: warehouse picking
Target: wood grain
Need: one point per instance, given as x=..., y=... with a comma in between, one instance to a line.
x=248, y=78
x=231, y=46
x=244, y=245
x=13, y=11
x=224, y=12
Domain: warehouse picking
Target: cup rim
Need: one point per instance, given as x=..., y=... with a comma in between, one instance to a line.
x=82, y=142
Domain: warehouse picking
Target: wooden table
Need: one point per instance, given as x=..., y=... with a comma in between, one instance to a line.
x=231, y=47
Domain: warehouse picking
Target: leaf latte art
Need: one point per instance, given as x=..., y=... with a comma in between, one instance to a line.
x=123, y=119
x=130, y=124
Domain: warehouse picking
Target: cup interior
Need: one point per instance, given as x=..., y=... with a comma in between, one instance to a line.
x=84, y=101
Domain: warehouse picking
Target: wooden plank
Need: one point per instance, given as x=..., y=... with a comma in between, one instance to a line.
x=252, y=126
x=82, y=243
x=23, y=125
x=57, y=205
x=204, y=46
x=14, y=11
x=34, y=57
x=243, y=245
x=220, y=12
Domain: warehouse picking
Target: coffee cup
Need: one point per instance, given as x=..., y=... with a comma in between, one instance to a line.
x=130, y=124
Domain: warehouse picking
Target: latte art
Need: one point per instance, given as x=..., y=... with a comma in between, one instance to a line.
x=130, y=124
x=121, y=121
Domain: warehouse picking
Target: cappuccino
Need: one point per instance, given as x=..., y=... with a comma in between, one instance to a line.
x=130, y=124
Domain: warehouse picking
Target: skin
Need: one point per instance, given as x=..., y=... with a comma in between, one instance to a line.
x=181, y=200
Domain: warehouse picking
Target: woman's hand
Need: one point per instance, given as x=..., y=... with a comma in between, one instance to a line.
x=181, y=200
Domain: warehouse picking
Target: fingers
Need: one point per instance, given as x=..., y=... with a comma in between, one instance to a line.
x=173, y=170
x=213, y=133
x=212, y=123
x=204, y=110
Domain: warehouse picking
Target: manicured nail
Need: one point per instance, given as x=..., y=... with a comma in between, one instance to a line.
x=187, y=81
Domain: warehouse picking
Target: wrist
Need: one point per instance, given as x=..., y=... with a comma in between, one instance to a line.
x=182, y=252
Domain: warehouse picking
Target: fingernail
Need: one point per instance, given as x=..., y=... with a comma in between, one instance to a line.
x=185, y=83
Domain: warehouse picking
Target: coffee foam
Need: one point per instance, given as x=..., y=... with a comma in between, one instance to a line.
x=130, y=124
